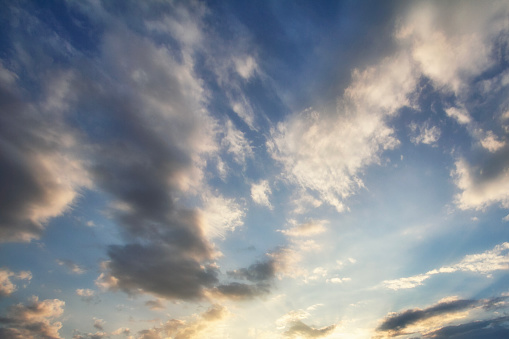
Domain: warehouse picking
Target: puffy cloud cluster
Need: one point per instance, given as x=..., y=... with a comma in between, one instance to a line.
x=33, y=320
x=325, y=151
x=7, y=287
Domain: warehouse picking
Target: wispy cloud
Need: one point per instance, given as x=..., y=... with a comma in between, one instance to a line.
x=482, y=263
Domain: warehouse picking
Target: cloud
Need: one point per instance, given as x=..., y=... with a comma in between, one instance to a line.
x=71, y=266
x=260, y=276
x=450, y=44
x=40, y=169
x=34, y=320
x=307, y=229
x=481, y=187
x=460, y=114
x=235, y=142
x=300, y=330
x=245, y=66
x=491, y=328
x=260, y=193
x=86, y=294
x=260, y=271
x=425, y=134
x=399, y=321
x=491, y=142
x=194, y=328
x=99, y=324
x=297, y=329
x=155, y=304
x=441, y=320
x=325, y=152
x=220, y=215
x=483, y=263
x=161, y=269
x=7, y=287
x=150, y=156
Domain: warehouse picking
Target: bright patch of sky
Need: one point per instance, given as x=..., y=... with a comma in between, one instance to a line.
x=259, y=169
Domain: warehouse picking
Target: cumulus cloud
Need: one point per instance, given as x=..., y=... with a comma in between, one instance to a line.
x=40, y=169
x=86, y=294
x=491, y=142
x=33, y=320
x=460, y=114
x=482, y=185
x=482, y=263
x=260, y=193
x=424, y=133
x=7, y=287
x=160, y=269
x=449, y=45
x=325, y=152
x=258, y=279
x=71, y=266
x=245, y=66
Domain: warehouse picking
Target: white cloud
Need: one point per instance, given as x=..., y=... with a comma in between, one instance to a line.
x=243, y=109
x=260, y=193
x=71, y=266
x=220, y=215
x=337, y=280
x=460, y=114
x=478, y=193
x=7, y=287
x=245, y=66
x=236, y=144
x=452, y=44
x=85, y=292
x=304, y=201
x=506, y=218
x=491, y=142
x=482, y=263
x=307, y=229
x=425, y=134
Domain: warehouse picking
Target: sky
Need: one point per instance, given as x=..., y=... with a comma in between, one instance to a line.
x=254, y=169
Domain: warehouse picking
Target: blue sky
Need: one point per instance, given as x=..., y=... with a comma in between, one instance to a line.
x=263, y=169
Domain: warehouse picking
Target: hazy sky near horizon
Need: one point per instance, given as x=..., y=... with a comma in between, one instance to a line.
x=254, y=169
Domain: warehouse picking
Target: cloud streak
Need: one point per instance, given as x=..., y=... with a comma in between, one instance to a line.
x=483, y=263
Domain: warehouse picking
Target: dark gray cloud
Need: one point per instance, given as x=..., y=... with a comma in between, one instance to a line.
x=260, y=274
x=33, y=144
x=41, y=172
x=235, y=290
x=299, y=329
x=399, y=321
x=396, y=323
x=159, y=269
x=489, y=329
x=261, y=271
